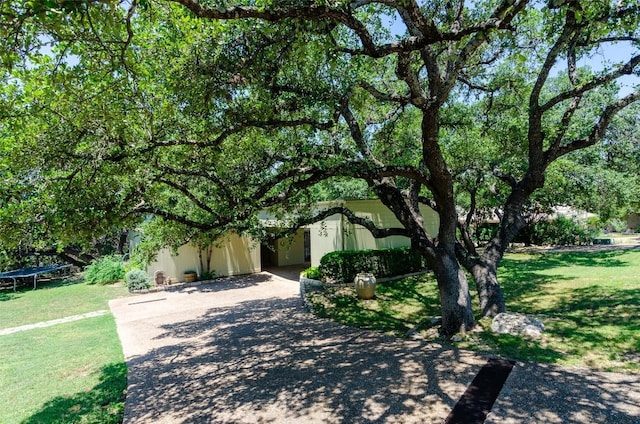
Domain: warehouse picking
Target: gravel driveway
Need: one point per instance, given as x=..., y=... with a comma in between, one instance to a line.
x=243, y=350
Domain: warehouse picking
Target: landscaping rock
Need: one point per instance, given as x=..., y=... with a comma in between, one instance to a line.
x=517, y=325
x=306, y=285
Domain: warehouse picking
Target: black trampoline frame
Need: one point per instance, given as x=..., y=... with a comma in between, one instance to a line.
x=30, y=272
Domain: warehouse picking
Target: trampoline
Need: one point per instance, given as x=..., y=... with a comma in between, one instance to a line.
x=30, y=272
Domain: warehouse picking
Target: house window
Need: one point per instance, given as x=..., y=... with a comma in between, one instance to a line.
x=307, y=245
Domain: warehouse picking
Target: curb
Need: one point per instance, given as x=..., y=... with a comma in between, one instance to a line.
x=170, y=287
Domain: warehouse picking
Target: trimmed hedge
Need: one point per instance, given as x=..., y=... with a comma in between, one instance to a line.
x=342, y=266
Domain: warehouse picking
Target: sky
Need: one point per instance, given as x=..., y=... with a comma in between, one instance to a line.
x=607, y=53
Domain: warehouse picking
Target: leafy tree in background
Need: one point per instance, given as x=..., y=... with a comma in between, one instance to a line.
x=204, y=114
x=606, y=177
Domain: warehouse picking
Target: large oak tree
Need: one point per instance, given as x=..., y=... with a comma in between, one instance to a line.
x=204, y=113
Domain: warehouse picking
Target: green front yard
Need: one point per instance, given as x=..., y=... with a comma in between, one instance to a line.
x=75, y=372
x=67, y=373
x=588, y=301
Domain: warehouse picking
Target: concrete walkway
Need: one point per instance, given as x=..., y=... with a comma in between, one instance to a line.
x=245, y=351
x=43, y=324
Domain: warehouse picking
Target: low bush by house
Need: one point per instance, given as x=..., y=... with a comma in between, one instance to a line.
x=137, y=279
x=342, y=266
x=106, y=270
x=312, y=272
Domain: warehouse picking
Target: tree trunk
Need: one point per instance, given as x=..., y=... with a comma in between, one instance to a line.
x=122, y=241
x=485, y=268
x=70, y=255
x=489, y=291
x=455, y=301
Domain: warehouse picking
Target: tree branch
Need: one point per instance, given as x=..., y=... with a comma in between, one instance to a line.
x=384, y=97
x=550, y=60
x=626, y=69
x=407, y=171
x=597, y=132
x=428, y=202
x=375, y=231
x=187, y=193
x=356, y=132
x=502, y=16
x=148, y=209
x=572, y=71
x=276, y=14
x=406, y=74
x=507, y=178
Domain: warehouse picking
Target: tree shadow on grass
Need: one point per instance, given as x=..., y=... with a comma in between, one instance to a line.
x=518, y=348
x=583, y=323
x=601, y=305
x=527, y=278
x=398, y=307
x=103, y=404
x=596, y=318
x=6, y=296
x=605, y=258
x=559, y=259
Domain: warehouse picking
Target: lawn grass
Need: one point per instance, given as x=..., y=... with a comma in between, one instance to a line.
x=400, y=306
x=67, y=373
x=589, y=302
x=54, y=299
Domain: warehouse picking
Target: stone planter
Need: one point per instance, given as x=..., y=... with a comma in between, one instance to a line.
x=190, y=277
x=365, y=284
x=310, y=282
x=160, y=278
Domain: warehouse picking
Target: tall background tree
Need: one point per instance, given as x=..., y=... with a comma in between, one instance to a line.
x=203, y=114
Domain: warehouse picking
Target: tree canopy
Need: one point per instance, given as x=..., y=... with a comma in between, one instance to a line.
x=204, y=113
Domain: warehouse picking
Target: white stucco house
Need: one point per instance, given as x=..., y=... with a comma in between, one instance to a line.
x=237, y=254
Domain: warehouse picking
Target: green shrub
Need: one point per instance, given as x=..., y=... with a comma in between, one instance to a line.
x=561, y=232
x=208, y=275
x=342, y=266
x=617, y=225
x=106, y=270
x=486, y=231
x=312, y=272
x=594, y=224
x=137, y=279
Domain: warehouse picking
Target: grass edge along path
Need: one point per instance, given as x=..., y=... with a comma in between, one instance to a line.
x=589, y=302
x=43, y=324
x=72, y=372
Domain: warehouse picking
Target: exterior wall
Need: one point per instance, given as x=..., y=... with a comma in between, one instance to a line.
x=359, y=238
x=175, y=266
x=326, y=236
x=235, y=255
x=290, y=251
x=431, y=220
x=337, y=233
x=239, y=255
